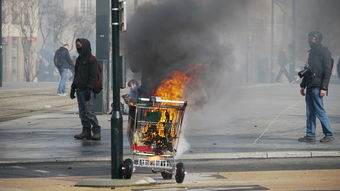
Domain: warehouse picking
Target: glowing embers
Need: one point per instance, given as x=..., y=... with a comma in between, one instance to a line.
x=157, y=131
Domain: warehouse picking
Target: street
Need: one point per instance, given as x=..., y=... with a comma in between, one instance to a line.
x=261, y=118
x=247, y=144
x=244, y=174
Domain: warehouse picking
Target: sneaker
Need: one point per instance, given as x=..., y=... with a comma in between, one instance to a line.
x=327, y=139
x=62, y=94
x=96, y=137
x=306, y=139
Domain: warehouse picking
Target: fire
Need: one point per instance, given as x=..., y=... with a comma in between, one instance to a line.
x=159, y=134
x=174, y=88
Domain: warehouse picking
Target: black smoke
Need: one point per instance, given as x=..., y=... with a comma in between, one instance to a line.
x=168, y=35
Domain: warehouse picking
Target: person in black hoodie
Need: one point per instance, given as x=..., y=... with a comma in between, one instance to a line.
x=316, y=82
x=63, y=62
x=83, y=84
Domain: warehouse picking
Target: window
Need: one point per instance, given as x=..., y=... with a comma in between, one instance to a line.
x=84, y=6
x=14, y=59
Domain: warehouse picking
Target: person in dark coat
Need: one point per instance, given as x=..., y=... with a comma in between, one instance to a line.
x=63, y=62
x=316, y=84
x=83, y=85
x=283, y=62
x=338, y=68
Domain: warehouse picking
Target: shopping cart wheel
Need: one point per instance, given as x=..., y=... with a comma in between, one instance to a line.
x=127, y=168
x=180, y=172
x=166, y=175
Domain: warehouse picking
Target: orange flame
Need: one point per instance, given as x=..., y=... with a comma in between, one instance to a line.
x=174, y=88
x=170, y=89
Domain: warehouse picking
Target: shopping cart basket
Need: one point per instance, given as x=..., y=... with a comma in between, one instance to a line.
x=154, y=131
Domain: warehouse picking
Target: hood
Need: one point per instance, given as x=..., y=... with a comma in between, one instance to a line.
x=86, y=48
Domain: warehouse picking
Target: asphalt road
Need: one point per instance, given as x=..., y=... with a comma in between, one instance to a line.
x=64, y=169
x=245, y=174
x=260, y=118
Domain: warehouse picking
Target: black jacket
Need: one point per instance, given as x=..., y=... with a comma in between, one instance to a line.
x=62, y=59
x=85, y=69
x=320, y=62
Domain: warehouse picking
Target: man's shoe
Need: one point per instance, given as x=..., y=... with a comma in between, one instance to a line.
x=96, y=136
x=83, y=135
x=327, y=139
x=306, y=139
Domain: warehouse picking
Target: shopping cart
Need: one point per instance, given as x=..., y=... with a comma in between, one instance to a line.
x=154, y=131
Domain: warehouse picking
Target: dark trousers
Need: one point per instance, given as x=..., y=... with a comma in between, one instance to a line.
x=87, y=117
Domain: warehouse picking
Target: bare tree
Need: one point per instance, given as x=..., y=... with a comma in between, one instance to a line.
x=28, y=18
x=81, y=26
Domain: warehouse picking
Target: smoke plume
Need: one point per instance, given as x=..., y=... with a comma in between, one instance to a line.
x=169, y=35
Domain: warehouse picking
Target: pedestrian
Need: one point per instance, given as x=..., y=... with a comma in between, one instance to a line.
x=134, y=91
x=63, y=62
x=131, y=100
x=283, y=62
x=316, y=83
x=338, y=68
x=83, y=85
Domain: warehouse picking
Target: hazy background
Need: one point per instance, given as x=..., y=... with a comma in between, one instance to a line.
x=237, y=41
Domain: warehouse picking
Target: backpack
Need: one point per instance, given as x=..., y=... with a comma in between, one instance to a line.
x=99, y=78
x=98, y=86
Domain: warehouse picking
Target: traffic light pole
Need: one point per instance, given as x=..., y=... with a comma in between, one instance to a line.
x=116, y=118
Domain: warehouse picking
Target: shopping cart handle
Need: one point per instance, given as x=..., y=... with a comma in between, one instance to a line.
x=159, y=99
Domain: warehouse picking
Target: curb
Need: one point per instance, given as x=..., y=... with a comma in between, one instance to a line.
x=145, y=181
x=207, y=156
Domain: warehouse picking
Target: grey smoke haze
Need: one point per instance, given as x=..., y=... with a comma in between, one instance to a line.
x=171, y=35
x=233, y=38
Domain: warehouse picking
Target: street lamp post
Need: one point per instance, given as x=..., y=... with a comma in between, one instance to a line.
x=116, y=118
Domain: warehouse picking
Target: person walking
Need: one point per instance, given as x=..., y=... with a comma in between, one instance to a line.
x=338, y=68
x=316, y=81
x=283, y=62
x=63, y=62
x=82, y=87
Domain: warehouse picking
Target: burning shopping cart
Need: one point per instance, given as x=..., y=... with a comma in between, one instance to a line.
x=154, y=131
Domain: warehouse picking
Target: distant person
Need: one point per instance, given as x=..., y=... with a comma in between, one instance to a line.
x=132, y=97
x=63, y=62
x=338, y=68
x=316, y=80
x=283, y=62
x=83, y=85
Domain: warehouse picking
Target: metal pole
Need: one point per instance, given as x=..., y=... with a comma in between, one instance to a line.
x=272, y=43
x=292, y=68
x=101, y=101
x=116, y=118
x=1, y=65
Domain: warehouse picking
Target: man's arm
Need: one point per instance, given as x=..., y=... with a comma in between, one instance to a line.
x=327, y=68
x=55, y=58
x=69, y=61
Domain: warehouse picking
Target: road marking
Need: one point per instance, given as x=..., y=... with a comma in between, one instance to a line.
x=42, y=171
x=275, y=120
x=210, y=188
x=18, y=167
